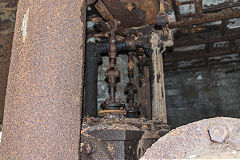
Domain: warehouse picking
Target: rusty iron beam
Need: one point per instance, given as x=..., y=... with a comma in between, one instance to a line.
x=103, y=10
x=44, y=96
x=207, y=18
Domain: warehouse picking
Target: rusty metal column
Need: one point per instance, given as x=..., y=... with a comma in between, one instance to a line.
x=44, y=94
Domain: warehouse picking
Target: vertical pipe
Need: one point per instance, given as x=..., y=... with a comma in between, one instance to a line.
x=44, y=94
x=90, y=85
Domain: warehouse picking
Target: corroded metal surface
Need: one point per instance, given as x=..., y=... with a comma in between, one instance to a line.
x=131, y=89
x=209, y=138
x=103, y=10
x=133, y=13
x=125, y=138
x=43, y=102
x=112, y=74
x=144, y=87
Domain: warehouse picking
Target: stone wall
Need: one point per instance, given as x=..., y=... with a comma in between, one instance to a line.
x=7, y=20
x=202, y=93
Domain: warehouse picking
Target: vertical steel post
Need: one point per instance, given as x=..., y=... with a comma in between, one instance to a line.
x=44, y=94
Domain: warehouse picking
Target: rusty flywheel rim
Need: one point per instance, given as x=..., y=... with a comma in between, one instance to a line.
x=206, y=139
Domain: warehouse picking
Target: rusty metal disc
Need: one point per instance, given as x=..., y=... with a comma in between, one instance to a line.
x=133, y=13
x=206, y=139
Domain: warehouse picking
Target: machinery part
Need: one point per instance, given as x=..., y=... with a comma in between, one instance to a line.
x=100, y=6
x=112, y=74
x=218, y=133
x=144, y=87
x=128, y=45
x=93, y=57
x=124, y=138
x=91, y=146
x=162, y=17
x=131, y=89
x=209, y=138
x=90, y=84
x=133, y=13
x=43, y=102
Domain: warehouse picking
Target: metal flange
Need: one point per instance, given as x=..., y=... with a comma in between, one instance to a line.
x=210, y=138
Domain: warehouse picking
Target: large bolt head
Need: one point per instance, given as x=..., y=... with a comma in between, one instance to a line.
x=218, y=133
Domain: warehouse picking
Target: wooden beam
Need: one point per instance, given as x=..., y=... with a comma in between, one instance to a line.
x=206, y=19
x=167, y=69
x=185, y=2
x=189, y=55
x=216, y=37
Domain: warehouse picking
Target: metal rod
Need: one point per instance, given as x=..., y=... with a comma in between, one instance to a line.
x=129, y=44
x=44, y=96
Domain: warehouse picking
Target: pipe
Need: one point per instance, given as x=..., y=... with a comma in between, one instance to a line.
x=90, y=85
x=42, y=116
x=93, y=58
x=129, y=44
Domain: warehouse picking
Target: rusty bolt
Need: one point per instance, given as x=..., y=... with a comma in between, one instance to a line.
x=88, y=147
x=218, y=133
x=130, y=6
